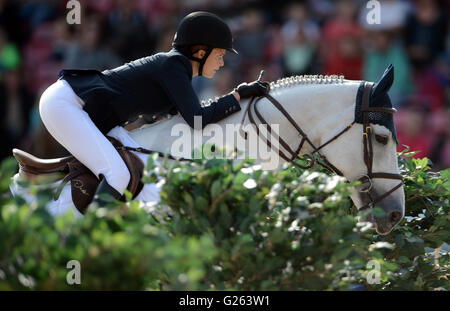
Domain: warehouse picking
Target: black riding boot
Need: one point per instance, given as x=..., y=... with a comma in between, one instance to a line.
x=102, y=189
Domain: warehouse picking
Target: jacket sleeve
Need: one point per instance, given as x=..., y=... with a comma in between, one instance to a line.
x=176, y=82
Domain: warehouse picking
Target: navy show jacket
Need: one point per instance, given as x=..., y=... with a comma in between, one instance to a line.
x=152, y=85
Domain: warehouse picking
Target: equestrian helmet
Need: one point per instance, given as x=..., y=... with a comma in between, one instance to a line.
x=206, y=29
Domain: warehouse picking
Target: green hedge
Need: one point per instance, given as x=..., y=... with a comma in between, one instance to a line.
x=231, y=227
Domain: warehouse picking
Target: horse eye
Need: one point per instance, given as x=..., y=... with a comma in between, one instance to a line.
x=382, y=139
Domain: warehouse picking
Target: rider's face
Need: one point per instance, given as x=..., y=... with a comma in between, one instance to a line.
x=213, y=62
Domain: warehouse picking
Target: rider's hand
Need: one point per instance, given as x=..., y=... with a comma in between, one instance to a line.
x=255, y=88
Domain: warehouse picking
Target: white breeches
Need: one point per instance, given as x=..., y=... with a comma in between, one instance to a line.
x=62, y=113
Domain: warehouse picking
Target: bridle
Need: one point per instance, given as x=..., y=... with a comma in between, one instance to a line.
x=321, y=159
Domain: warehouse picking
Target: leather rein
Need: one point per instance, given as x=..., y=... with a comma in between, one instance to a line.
x=322, y=160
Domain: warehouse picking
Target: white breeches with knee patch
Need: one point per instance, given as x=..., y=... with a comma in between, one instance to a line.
x=62, y=113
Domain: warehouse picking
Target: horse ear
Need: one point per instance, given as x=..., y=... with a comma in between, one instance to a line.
x=385, y=82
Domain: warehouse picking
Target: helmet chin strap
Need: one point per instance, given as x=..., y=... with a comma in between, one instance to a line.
x=202, y=61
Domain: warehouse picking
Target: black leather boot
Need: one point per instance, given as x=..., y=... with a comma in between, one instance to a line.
x=104, y=188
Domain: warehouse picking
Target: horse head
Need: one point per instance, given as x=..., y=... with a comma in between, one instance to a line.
x=370, y=156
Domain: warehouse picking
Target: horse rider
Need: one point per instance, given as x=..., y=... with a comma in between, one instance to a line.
x=83, y=105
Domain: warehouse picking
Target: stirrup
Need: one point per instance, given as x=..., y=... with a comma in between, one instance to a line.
x=103, y=189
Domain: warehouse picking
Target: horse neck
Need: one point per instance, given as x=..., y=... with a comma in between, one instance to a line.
x=157, y=137
x=321, y=111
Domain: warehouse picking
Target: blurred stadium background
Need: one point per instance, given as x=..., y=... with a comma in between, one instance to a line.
x=282, y=37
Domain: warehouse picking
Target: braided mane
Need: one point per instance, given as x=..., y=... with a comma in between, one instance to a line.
x=294, y=80
x=306, y=79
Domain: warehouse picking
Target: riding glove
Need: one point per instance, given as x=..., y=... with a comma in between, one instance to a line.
x=255, y=88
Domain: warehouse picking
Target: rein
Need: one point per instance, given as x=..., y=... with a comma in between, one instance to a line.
x=323, y=161
x=147, y=151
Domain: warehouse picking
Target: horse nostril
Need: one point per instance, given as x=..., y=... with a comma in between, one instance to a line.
x=394, y=217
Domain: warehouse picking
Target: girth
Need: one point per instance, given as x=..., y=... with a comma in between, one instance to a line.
x=290, y=155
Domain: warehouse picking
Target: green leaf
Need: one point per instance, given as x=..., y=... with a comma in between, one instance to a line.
x=201, y=203
x=151, y=161
x=239, y=180
x=215, y=188
x=421, y=164
x=410, y=154
x=128, y=195
x=400, y=240
x=188, y=199
x=446, y=185
x=414, y=240
x=403, y=259
x=445, y=174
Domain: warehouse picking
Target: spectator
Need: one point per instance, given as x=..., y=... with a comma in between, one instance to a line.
x=426, y=32
x=102, y=7
x=441, y=151
x=300, y=35
x=411, y=131
x=89, y=52
x=38, y=11
x=430, y=89
x=128, y=32
x=298, y=19
x=15, y=106
x=9, y=17
x=442, y=70
x=321, y=9
x=251, y=40
x=9, y=55
x=341, y=42
x=384, y=51
x=165, y=39
x=63, y=40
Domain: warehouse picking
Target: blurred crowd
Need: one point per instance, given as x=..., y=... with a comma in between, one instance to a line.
x=282, y=37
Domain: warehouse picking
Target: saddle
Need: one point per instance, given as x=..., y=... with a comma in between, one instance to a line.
x=83, y=182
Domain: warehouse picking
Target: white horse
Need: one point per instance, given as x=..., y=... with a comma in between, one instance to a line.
x=323, y=107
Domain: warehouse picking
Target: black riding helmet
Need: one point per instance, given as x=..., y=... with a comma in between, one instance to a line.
x=202, y=28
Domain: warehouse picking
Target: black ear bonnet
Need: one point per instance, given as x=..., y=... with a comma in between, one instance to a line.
x=378, y=98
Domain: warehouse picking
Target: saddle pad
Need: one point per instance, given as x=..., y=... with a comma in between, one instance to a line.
x=84, y=183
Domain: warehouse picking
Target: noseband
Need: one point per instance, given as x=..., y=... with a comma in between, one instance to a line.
x=322, y=160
